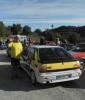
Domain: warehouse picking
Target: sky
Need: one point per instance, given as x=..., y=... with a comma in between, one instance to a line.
x=43, y=13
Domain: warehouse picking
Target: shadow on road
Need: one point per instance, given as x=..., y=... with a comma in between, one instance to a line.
x=24, y=84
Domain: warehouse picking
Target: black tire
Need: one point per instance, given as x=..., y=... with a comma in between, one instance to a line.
x=82, y=61
x=33, y=78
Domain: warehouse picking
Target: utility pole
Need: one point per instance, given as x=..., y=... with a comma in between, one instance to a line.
x=52, y=26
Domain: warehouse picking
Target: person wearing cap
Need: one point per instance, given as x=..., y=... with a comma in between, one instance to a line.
x=16, y=51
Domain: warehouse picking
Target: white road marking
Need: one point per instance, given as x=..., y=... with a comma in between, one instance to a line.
x=5, y=63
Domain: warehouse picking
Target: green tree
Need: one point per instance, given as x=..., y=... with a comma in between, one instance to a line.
x=26, y=30
x=3, y=29
x=38, y=31
x=16, y=29
x=73, y=38
x=49, y=35
x=81, y=31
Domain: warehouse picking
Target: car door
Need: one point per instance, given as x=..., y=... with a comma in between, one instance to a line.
x=24, y=60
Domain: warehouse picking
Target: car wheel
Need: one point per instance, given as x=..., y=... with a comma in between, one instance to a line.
x=82, y=61
x=33, y=78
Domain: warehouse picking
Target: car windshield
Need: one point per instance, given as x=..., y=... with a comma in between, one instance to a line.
x=53, y=55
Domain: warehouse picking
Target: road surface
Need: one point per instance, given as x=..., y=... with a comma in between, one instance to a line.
x=21, y=89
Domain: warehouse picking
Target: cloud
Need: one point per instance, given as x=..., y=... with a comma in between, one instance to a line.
x=42, y=11
x=75, y=20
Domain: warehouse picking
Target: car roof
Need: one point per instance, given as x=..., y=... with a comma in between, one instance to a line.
x=44, y=46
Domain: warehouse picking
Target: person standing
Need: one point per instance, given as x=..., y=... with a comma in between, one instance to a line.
x=16, y=51
x=30, y=41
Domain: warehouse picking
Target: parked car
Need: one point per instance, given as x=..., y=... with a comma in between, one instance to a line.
x=3, y=45
x=67, y=46
x=49, y=64
x=79, y=53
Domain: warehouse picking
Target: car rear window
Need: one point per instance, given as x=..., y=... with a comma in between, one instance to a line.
x=53, y=55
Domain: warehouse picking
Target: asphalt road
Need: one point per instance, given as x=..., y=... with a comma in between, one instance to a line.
x=21, y=89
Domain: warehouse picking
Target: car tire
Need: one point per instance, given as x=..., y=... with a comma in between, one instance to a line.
x=33, y=78
x=82, y=61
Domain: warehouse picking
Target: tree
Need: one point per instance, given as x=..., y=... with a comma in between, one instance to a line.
x=38, y=31
x=8, y=30
x=73, y=38
x=26, y=30
x=49, y=35
x=3, y=29
x=16, y=29
x=81, y=31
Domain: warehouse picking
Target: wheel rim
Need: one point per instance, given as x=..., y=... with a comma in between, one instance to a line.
x=82, y=64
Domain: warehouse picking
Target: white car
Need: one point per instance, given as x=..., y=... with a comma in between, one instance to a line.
x=3, y=45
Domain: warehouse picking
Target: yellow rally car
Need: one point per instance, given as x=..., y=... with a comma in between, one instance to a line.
x=49, y=64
